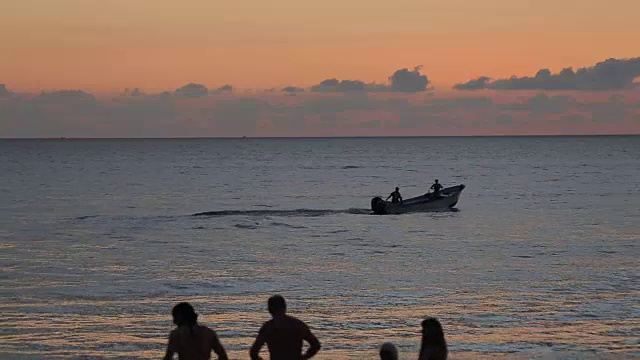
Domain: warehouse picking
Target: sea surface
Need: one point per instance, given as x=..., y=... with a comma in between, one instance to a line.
x=542, y=259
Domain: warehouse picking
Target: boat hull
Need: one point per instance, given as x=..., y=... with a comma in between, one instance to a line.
x=448, y=199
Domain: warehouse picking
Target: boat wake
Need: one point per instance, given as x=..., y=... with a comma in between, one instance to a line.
x=284, y=213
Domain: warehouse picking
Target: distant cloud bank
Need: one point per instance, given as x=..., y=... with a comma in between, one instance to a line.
x=292, y=89
x=403, y=80
x=342, y=107
x=612, y=74
x=192, y=90
x=187, y=112
x=4, y=92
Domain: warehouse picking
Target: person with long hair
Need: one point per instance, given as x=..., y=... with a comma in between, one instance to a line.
x=190, y=340
x=433, y=345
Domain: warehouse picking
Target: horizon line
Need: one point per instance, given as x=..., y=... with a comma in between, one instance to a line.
x=310, y=137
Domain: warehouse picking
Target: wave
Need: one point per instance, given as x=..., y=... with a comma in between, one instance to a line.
x=284, y=213
x=275, y=223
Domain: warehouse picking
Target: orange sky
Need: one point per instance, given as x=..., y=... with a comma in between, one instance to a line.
x=100, y=45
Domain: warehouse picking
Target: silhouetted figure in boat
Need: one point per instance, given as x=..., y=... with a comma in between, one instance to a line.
x=436, y=188
x=191, y=340
x=433, y=345
x=395, y=196
x=284, y=335
x=388, y=351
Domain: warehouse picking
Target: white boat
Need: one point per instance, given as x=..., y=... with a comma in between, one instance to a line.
x=447, y=199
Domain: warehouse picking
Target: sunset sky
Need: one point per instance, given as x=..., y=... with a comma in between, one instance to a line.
x=103, y=47
x=157, y=44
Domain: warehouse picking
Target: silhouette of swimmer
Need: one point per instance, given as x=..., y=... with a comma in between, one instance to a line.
x=436, y=188
x=388, y=351
x=395, y=196
x=284, y=335
x=433, y=345
x=190, y=340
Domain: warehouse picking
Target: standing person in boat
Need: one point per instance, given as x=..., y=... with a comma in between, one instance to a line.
x=436, y=188
x=433, y=345
x=191, y=340
x=284, y=335
x=395, y=196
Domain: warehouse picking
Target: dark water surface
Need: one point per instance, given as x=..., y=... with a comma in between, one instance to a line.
x=98, y=241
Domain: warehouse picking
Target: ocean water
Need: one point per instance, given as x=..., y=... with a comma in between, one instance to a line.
x=541, y=260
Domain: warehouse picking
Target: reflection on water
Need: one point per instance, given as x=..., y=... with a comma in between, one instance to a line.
x=476, y=324
x=93, y=260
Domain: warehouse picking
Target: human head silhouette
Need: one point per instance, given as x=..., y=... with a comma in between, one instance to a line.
x=277, y=305
x=397, y=188
x=436, y=181
x=432, y=333
x=388, y=351
x=184, y=314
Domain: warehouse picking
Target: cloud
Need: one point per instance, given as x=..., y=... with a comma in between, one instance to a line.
x=543, y=104
x=466, y=103
x=133, y=92
x=409, y=118
x=65, y=97
x=574, y=119
x=504, y=119
x=292, y=89
x=50, y=114
x=324, y=110
x=374, y=87
x=611, y=74
x=405, y=80
x=369, y=124
x=336, y=104
x=72, y=101
x=75, y=113
x=476, y=84
x=192, y=90
x=238, y=116
x=612, y=111
x=4, y=92
x=334, y=85
x=142, y=116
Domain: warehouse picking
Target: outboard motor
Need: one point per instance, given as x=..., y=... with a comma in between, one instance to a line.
x=378, y=206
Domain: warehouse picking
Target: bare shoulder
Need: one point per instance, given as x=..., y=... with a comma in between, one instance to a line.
x=207, y=330
x=297, y=322
x=268, y=323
